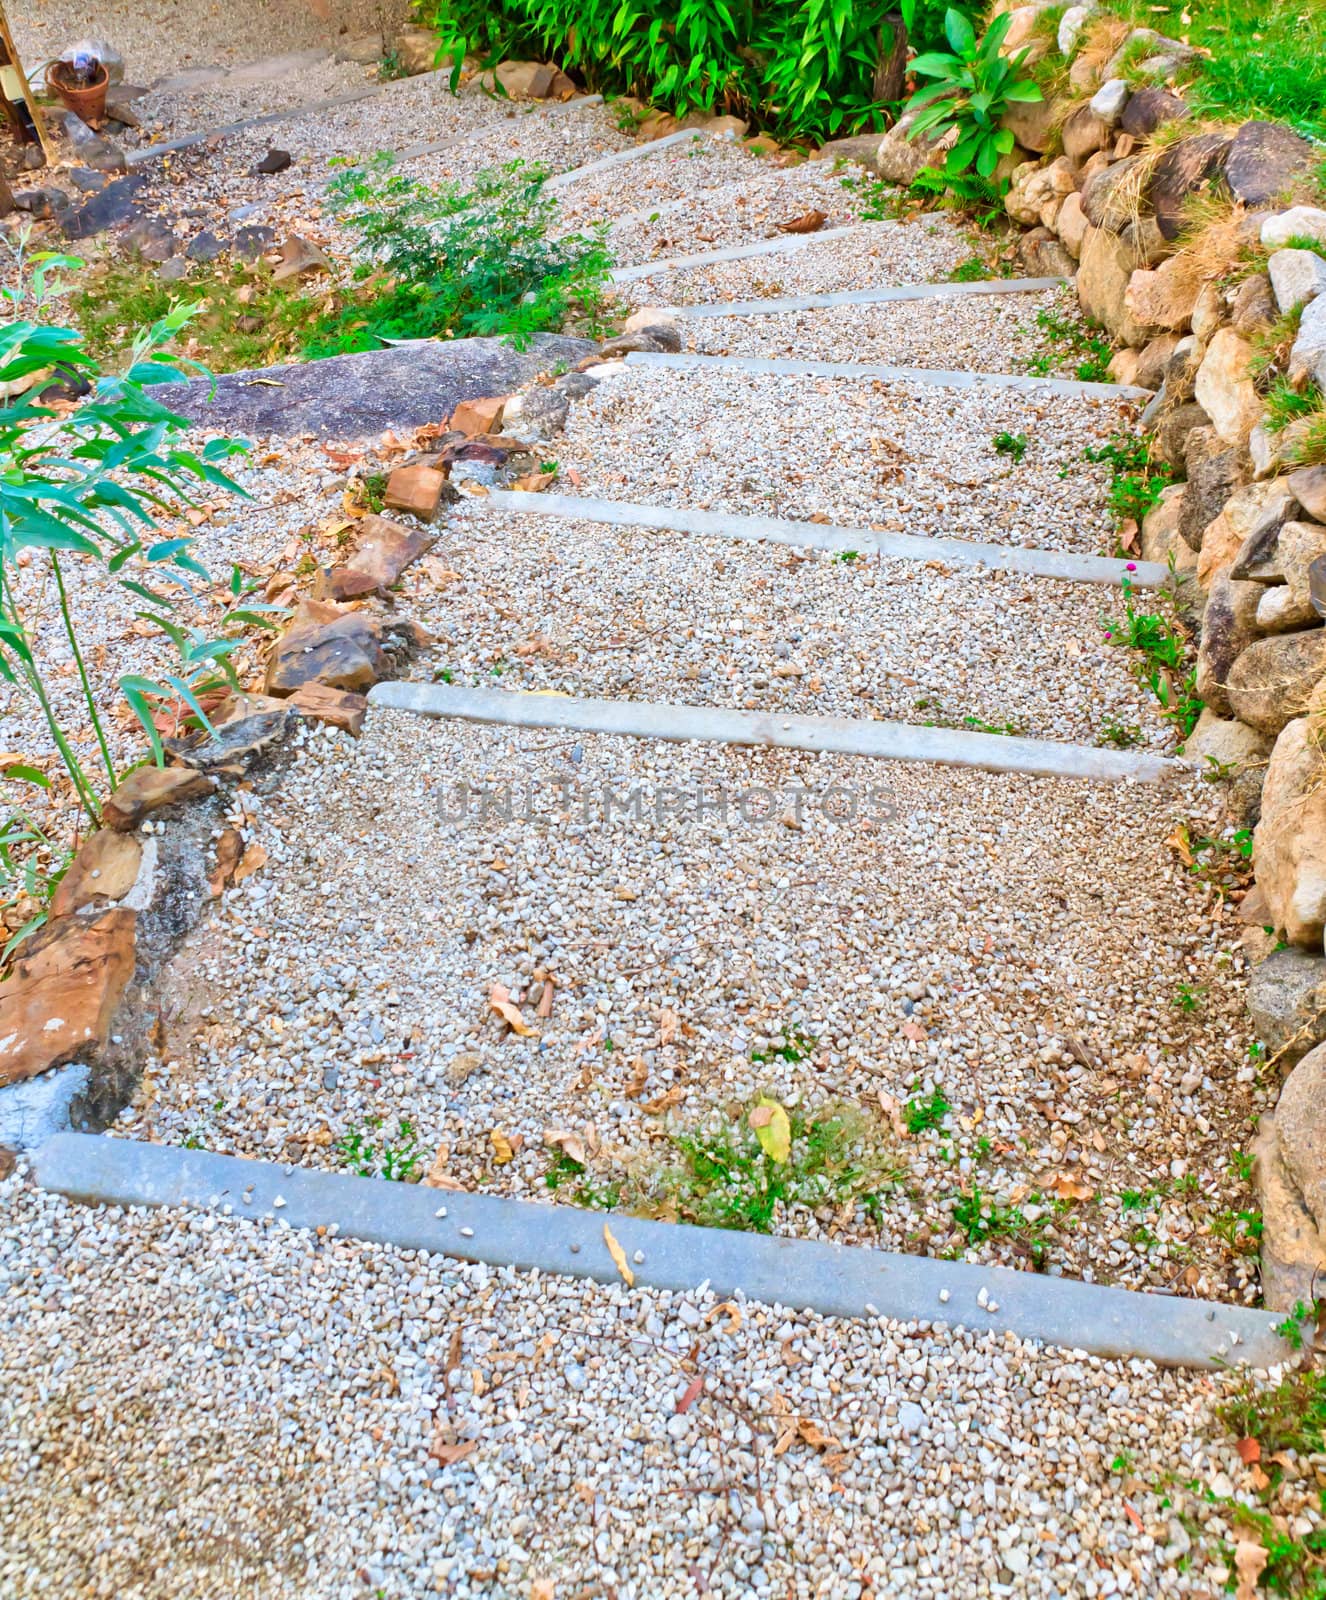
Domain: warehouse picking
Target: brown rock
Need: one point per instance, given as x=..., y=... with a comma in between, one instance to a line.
x=1258, y=559
x=1160, y=532
x=1102, y=282
x=1109, y=196
x=337, y=707
x=1084, y=133
x=1123, y=366
x=299, y=259
x=1149, y=109
x=478, y=416
x=1272, y=681
x=60, y=999
x=1253, y=309
x=1229, y=625
x=1031, y=123
x=1308, y=487
x=1225, y=391
x=1287, y=998
x=149, y=789
x=900, y=158
x=1236, y=753
x=1163, y=298
x=1154, y=358
x=1289, y=604
x=1213, y=476
x=529, y=80
x=1290, y=842
x=105, y=868
x=1184, y=169
x=343, y=654
x=416, y=489
x=1071, y=224
x=1169, y=443
x=383, y=552
x=1265, y=160
x=1042, y=255
x=1146, y=241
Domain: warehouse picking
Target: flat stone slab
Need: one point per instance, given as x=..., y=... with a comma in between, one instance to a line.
x=865, y=297
x=888, y=741
x=827, y=536
x=788, y=367
x=357, y=396
x=834, y=1280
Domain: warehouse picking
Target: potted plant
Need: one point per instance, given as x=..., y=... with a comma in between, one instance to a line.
x=81, y=85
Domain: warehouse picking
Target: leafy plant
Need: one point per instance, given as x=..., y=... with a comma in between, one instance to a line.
x=1083, y=347
x=31, y=867
x=973, y=270
x=1011, y=444
x=1136, y=482
x=440, y=260
x=90, y=485
x=1165, y=665
x=396, y=1162
x=979, y=198
x=924, y=1112
x=973, y=88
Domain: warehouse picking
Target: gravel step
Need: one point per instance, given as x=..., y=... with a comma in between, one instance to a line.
x=890, y=741
x=802, y=1273
x=877, y=295
x=744, y=365
x=783, y=244
x=898, y=456
x=823, y=536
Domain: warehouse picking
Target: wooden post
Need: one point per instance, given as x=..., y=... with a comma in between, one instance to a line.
x=891, y=65
x=9, y=57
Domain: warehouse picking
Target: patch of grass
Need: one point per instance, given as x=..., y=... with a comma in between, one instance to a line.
x=1072, y=342
x=397, y=1162
x=1240, y=1230
x=1164, y=649
x=375, y=490
x=1223, y=863
x=878, y=200
x=1291, y=1415
x=245, y=320
x=1011, y=444
x=794, y=1046
x=925, y=1112
x=1291, y=1329
x=723, y=1178
x=1308, y=447
x=566, y=1172
x=1271, y=347
x=847, y=557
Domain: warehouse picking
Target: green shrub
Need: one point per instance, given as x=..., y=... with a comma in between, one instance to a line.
x=443, y=261
x=972, y=89
x=801, y=68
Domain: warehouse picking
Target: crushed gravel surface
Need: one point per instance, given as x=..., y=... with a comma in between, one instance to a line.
x=646, y=615
x=1016, y=942
x=979, y=333
x=912, y=458
x=255, y=1416
x=873, y=254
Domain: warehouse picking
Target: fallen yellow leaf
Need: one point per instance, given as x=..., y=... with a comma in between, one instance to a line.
x=772, y=1128
x=499, y=997
x=619, y=1257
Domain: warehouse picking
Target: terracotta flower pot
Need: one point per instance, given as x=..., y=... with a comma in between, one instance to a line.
x=86, y=101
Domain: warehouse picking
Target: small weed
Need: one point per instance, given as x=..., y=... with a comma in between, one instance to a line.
x=1121, y=735
x=1189, y=998
x=848, y=556
x=1290, y=1416
x=375, y=490
x=796, y=1046
x=1291, y=1329
x=1136, y=482
x=972, y=270
x=1074, y=343
x=1139, y=1199
x=1011, y=444
x=1165, y=648
x=1223, y=863
x=1241, y=1164
x=924, y=1112
x=397, y=1162
x=566, y=1172
x=723, y=1177
x=1240, y=1230
x=1284, y=404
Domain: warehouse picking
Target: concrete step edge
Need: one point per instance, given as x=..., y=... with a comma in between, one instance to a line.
x=834, y=1280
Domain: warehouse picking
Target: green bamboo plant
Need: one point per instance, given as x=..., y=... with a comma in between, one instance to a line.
x=90, y=485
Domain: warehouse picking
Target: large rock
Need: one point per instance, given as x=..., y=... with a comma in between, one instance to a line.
x=1162, y=298
x=1149, y=109
x=1253, y=307
x=1153, y=359
x=1287, y=1003
x=1071, y=224
x=1105, y=267
x=1291, y=1161
x=1297, y=276
x=1229, y=625
x=1109, y=196
x=1272, y=681
x=148, y=790
x=58, y=1002
x=1225, y=391
x=343, y=652
x=1308, y=487
x=1264, y=160
x=1035, y=187
x=382, y=552
x=899, y=157
x=1307, y=359
x=1259, y=558
x=1031, y=122
x=1289, y=846
x=1213, y=476
x=1109, y=101
x=528, y=80
x=1299, y=222
x=1288, y=604
x=1160, y=532
x=113, y=207
x=1184, y=169
x=360, y=396
x=105, y=869
x=1084, y=133
x=1174, y=427
x=1227, y=751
